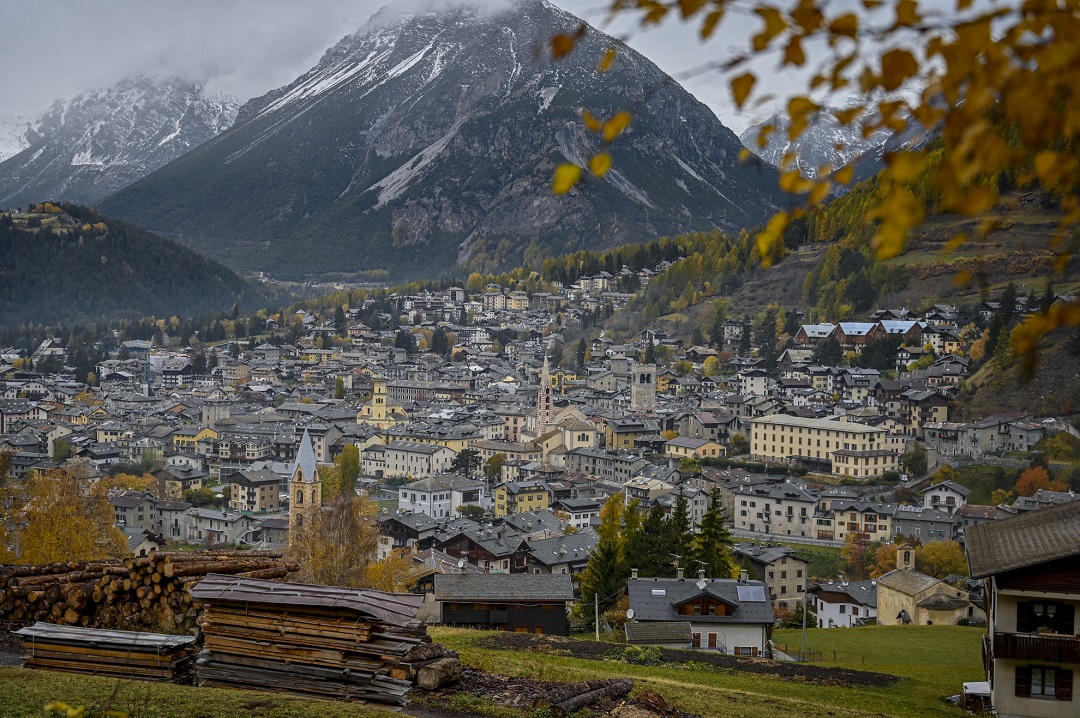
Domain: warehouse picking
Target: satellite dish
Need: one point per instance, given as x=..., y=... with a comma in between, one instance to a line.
x=701, y=584
x=630, y=614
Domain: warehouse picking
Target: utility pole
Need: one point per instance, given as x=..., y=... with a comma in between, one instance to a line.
x=596, y=610
x=802, y=655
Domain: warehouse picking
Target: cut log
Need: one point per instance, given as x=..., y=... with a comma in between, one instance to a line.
x=438, y=674
x=615, y=689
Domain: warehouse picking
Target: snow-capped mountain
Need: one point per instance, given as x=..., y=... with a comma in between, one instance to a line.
x=828, y=142
x=13, y=135
x=86, y=148
x=418, y=143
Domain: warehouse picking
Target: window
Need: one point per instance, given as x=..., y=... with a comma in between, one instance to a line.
x=1044, y=682
x=1034, y=615
x=843, y=608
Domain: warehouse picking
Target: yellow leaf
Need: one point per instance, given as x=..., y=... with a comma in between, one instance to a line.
x=963, y=4
x=905, y=167
x=976, y=200
x=616, y=125
x=846, y=25
x=561, y=46
x=744, y=154
x=793, y=182
x=763, y=136
x=955, y=242
x=711, y=21
x=606, y=60
x=566, y=176
x=907, y=13
x=807, y=15
x=793, y=53
x=771, y=235
x=741, y=87
x=847, y=116
x=871, y=4
x=820, y=192
x=689, y=7
x=600, y=164
x=591, y=122
x=799, y=109
x=896, y=66
x=962, y=278
x=774, y=25
x=844, y=175
x=1050, y=167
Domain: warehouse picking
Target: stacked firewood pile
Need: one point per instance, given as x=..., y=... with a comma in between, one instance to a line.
x=147, y=593
x=320, y=641
x=112, y=654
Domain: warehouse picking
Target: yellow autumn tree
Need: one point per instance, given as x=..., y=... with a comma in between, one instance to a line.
x=60, y=518
x=1000, y=82
x=340, y=547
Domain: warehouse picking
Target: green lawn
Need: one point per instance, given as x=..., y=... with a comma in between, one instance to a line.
x=937, y=659
x=932, y=661
x=24, y=693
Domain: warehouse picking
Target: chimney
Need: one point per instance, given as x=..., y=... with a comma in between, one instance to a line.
x=679, y=573
x=633, y=573
x=743, y=576
x=701, y=573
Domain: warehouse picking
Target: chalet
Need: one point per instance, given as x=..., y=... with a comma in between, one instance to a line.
x=1031, y=565
x=843, y=604
x=533, y=603
x=948, y=496
x=726, y=615
x=853, y=336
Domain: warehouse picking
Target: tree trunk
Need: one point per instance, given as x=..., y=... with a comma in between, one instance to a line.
x=439, y=673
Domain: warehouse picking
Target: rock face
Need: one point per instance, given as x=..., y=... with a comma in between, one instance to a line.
x=429, y=140
x=13, y=130
x=87, y=148
x=828, y=142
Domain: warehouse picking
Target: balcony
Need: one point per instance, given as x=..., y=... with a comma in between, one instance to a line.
x=1049, y=648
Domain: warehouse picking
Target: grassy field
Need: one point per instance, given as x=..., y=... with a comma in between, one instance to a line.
x=24, y=693
x=932, y=662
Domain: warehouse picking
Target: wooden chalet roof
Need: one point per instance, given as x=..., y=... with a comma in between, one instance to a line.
x=1026, y=540
x=397, y=609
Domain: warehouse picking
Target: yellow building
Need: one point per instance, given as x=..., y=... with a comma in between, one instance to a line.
x=623, y=433
x=843, y=448
x=516, y=497
x=187, y=438
x=684, y=447
x=379, y=411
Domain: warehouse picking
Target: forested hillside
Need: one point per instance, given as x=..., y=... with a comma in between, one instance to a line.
x=61, y=263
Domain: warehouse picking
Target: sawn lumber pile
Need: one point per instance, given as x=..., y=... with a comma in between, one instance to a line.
x=113, y=654
x=320, y=641
x=145, y=593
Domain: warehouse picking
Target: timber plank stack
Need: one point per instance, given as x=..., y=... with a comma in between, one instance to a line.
x=146, y=593
x=317, y=641
x=112, y=654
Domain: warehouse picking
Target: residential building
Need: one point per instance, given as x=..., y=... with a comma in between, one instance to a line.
x=842, y=604
x=534, y=603
x=515, y=497
x=254, y=490
x=1031, y=565
x=844, y=448
x=442, y=496
x=778, y=568
x=725, y=615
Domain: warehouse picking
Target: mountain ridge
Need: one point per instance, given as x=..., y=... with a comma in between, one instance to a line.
x=417, y=146
x=86, y=148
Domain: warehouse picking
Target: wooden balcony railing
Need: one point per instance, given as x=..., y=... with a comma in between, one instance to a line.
x=1037, y=647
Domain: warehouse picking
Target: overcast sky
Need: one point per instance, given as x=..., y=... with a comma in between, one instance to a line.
x=248, y=47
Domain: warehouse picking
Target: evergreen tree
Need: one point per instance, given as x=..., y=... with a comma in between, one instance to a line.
x=339, y=388
x=712, y=545
x=439, y=342
x=582, y=350
x=744, y=340
x=679, y=530
x=606, y=573
x=828, y=352
x=649, y=547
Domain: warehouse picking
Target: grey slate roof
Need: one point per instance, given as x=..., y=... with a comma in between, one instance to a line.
x=1025, y=540
x=908, y=581
x=654, y=632
x=650, y=605
x=504, y=587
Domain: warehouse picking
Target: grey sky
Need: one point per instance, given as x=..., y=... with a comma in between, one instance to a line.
x=248, y=47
